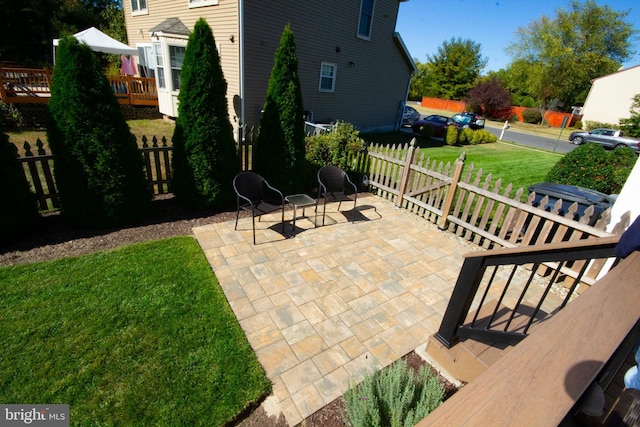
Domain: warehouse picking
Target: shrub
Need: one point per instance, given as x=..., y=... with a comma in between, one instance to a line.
x=204, y=156
x=19, y=213
x=427, y=131
x=482, y=136
x=280, y=144
x=532, y=115
x=591, y=166
x=465, y=136
x=595, y=125
x=578, y=124
x=393, y=397
x=451, y=135
x=338, y=148
x=98, y=167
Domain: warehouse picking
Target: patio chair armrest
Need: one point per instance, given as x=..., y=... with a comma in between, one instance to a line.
x=275, y=190
x=355, y=188
x=248, y=200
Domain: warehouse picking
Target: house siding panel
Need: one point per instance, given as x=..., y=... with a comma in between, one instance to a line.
x=223, y=20
x=611, y=96
x=368, y=93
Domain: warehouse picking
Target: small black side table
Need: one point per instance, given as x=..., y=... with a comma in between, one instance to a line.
x=299, y=201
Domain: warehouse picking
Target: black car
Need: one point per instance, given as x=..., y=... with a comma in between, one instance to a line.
x=438, y=122
x=569, y=195
x=468, y=120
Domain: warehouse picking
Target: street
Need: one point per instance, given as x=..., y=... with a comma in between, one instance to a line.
x=551, y=144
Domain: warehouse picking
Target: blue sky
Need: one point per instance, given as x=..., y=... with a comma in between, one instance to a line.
x=425, y=24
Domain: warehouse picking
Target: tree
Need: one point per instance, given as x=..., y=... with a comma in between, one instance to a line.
x=492, y=97
x=280, y=149
x=19, y=213
x=204, y=157
x=563, y=54
x=454, y=69
x=98, y=167
x=419, y=82
x=631, y=125
x=30, y=25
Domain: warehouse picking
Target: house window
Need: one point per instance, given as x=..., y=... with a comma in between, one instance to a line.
x=176, y=57
x=138, y=7
x=327, y=77
x=200, y=3
x=366, y=19
x=146, y=62
x=159, y=58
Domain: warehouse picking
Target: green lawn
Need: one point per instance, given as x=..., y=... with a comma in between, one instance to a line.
x=520, y=166
x=142, y=335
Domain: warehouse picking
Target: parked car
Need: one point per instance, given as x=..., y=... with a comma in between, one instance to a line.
x=570, y=194
x=409, y=116
x=439, y=123
x=608, y=138
x=468, y=120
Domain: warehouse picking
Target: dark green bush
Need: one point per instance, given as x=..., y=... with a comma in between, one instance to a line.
x=393, y=397
x=427, y=131
x=280, y=145
x=590, y=166
x=338, y=147
x=19, y=213
x=98, y=167
x=578, y=124
x=204, y=156
x=532, y=115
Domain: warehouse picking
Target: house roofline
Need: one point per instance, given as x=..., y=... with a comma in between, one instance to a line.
x=405, y=51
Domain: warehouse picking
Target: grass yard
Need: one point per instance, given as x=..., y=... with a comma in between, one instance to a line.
x=142, y=335
x=520, y=166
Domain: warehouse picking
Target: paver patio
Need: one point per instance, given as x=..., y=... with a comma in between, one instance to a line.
x=324, y=307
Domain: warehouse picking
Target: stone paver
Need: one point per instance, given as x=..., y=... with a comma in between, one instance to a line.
x=332, y=303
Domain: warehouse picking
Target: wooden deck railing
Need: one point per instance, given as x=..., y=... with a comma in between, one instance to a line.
x=28, y=85
x=507, y=318
x=541, y=379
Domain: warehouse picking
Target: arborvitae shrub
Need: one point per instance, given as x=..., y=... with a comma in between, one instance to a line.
x=204, y=157
x=19, y=213
x=393, y=397
x=451, y=135
x=465, y=136
x=590, y=166
x=98, y=167
x=280, y=146
x=532, y=115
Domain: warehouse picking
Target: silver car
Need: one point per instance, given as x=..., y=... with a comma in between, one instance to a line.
x=409, y=116
x=608, y=138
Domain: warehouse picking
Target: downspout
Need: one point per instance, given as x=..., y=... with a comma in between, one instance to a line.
x=241, y=37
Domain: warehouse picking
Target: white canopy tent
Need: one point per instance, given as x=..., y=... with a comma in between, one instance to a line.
x=100, y=42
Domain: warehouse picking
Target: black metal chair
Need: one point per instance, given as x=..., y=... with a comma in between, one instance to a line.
x=333, y=184
x=251, y=190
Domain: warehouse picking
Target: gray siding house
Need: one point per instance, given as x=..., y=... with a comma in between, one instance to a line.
x=353, y=66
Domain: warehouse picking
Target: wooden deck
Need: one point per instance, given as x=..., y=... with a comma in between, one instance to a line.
x=32, y=86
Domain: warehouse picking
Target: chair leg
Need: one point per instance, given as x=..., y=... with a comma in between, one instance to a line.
x=355, y=198
x=253, y=224
x=237, y=214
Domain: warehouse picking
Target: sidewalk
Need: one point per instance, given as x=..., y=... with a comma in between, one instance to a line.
x=322, y=308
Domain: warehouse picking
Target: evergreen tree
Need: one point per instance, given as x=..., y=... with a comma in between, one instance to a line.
x=204, y=154
x=280, y=149
x=98, y=167
x=19, y=213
